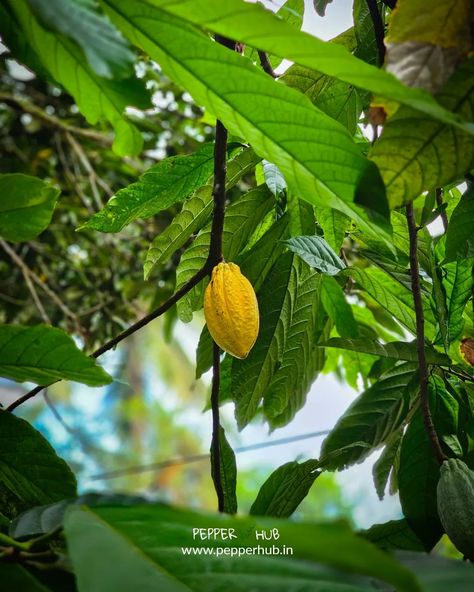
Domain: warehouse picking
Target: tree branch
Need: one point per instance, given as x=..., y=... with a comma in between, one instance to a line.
x=52, y=121
x=214, y=258
x=420, y=337
x=379, y=31
x=266, y=65
x=201, y=274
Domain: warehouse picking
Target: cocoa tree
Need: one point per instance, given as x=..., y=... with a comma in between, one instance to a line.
x=358, y=246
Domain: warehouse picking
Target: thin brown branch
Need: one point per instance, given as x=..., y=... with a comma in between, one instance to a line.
x=29, y=276
x=440, y=204
x=420, y=337
x=26, y=272
x=201, y=274
x=52, y=121
x=266, y=65
x=378, y=29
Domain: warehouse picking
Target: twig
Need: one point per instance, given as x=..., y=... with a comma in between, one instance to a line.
x=26, y=272
x=29, y=275
x=201, y=274
x=440, y=204
x=378, y=28
x=420, y=337
x=52, y=121
x=266, y=65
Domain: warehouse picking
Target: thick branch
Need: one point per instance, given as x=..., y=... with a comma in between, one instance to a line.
x=420, y=337
x=52, y=121
x=378, y=28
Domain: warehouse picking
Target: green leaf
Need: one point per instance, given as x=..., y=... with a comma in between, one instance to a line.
x=285, y=489
x=460, y=238
x=27, y=206
x=457, y=282
x=165, y=183
x=241, y=219
x=140, y=548
x=274, y=180
x=370, y=420
x=17, y=579
x=339, y=100
x=253, y=24
x=30, y=471
x=320, y=6
x=195, y=213
x=438, y=574
x=416, y=153
x=98, y=99
x=301, y=215
x=43, y=354
x=39, y=520
x=280, y=123
x=398, y=350
x=418, y=472
x=204, y=352
x=284, y=360
x=316, y=252
x=337, y=307
x=384, y=465
x=364, y=32
x=392, y=535
x=394, y=297
x=334, y=226
x=106, y=50
x=228, y=473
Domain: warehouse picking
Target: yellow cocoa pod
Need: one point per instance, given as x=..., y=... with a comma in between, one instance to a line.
x=231, y=310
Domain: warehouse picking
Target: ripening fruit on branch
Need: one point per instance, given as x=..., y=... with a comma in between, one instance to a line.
x=456, y=504
x=231, y=310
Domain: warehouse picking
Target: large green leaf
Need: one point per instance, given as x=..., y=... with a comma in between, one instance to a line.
x=418, y=472
x=392, y=535
x=334, y=226
x=106, y=50
x=141, y=548
x=284, y=360
x=370, y=420
x=43, y=354
x=285, y=489
x=336, y=98
x=280, y=123
x=252, y=24
x=228, y=473
x=195, y=213
x=384, y=467
x=97, y=98
x=395, y=297
x=31, y=473
x=337, y=307
x=398, y=350
x=438, y=574
x=17, y=579
x=317, y=253
x=460, y=238
x=416, y=154
x=457, y=282
x=241, y=219
x=170, y=181
x=27, y=206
